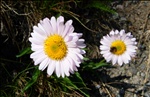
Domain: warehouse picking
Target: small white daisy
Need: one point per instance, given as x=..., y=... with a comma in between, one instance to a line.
x=56, y=47
x=118, y=47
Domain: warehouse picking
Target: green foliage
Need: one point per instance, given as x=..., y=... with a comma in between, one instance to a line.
x=33, y=79
x=75, y=82
x=90, y=65
x=24, y=52
x=54, y=7
x=100, y=5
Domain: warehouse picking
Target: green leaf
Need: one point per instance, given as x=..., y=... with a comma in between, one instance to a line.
x=86, y=59
x=24, y=52
x=98, y=65
x=77, y=74
x=101, y=6
x=76, y=82
x=33, y=79
x=89, y=65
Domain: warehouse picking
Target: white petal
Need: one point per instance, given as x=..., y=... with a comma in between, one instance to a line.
x=124, y=37
x=60, y=25
x=129, y=34
x=105, y=41
x=116, y=31
x=71, y=44
x=104, y=47
x=107, y=54
x=53, y=23
x=133, y=39
x=47, y=26
x=39, y=31
x=58, y=68
x=43, y=30
x=131, y=50
x=103, y=52
x=74, y=58
x=77, y=63
x=74, y=69
x=62, y=69
x=120, y=61
x=66, y=67
x=122, y=32
x=44, y=64
x=35, y=41
x=109, y=58
x=35, y=47
x=128, y=41
x=68, y=24
x=51, y=67
x=82, y=51
x=114, y=59
x=40, y=59
x=37, y=36
x=75, y=37
x=70, y=62
x=79, y=35
x=68, y=38
x=77, y=50
x=36, y=53
x=135, y=43
x=125, y=58
x=71, y=29
x=80, y=43
x=78, y=55
x=112, y=32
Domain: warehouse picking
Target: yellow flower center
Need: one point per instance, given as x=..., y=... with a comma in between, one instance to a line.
x=55, y=47
x=118, y=47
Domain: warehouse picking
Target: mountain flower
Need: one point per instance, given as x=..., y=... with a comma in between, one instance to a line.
x=56, y=46
x=118, y=47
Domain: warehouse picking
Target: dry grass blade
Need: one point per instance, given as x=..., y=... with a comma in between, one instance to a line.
x=81, y=22
x=105, y=88
x=5, y=5
x=148, y=68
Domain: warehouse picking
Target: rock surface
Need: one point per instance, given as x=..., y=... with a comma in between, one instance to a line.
x=132, y=80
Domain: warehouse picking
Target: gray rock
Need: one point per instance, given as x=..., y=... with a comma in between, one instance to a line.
x=148, y=84
x=135, y=95
x=115, y=16
x=142, y=74
x=119, y=7
x=123, y=19
x=97, y=86
x=146, y=94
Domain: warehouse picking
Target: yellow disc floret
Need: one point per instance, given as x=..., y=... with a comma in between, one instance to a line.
x=55, y=47
x=118, y=47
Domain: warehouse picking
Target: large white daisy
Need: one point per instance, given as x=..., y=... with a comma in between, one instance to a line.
x=118, y=47
x=56, y=47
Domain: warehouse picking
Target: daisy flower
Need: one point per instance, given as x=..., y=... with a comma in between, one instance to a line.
x=56, y=47
x=118, y=47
